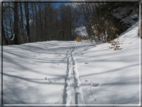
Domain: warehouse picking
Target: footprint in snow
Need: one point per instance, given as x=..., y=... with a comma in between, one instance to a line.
x=95, y=84
x=50, y=82
x=86, y=80
x=86, y=62
x=45, y=78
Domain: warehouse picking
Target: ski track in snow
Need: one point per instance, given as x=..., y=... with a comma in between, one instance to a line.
x=72, y=90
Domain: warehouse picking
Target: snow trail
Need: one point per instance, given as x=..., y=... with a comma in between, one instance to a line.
x=72, y=90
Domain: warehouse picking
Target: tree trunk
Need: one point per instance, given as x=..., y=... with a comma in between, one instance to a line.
x=4, y=40
x=21, y=12
x=16, y=20
x=45, y=26
x=27, y=20
x=36, y=22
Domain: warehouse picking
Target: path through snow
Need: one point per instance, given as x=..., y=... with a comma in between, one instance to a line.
x=72, y=90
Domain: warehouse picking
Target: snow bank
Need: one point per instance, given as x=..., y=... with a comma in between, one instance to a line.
x=116, y=73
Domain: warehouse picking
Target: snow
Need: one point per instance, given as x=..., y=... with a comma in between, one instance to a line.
x=128, y=21
x=81, y=31
x=70, y=72
x=13, y=37
x=135, y=16
x=120, y=12
x=115, y=72
x=126, y=14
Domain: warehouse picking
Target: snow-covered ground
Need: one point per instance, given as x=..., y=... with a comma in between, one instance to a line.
x=115, y=74
x=68, y=72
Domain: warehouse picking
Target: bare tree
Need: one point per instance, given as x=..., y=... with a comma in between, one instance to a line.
x=16, y=26
x=26, y=4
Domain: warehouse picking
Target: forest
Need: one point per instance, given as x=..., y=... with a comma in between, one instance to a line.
x=24, y=22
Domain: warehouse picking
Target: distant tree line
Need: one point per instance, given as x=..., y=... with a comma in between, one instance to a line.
x=25, y=22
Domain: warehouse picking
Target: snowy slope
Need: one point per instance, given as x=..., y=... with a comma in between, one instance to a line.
x=68, y=72
x=115, y=74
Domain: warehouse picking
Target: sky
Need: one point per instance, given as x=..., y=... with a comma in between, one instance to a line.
x=58, y=4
